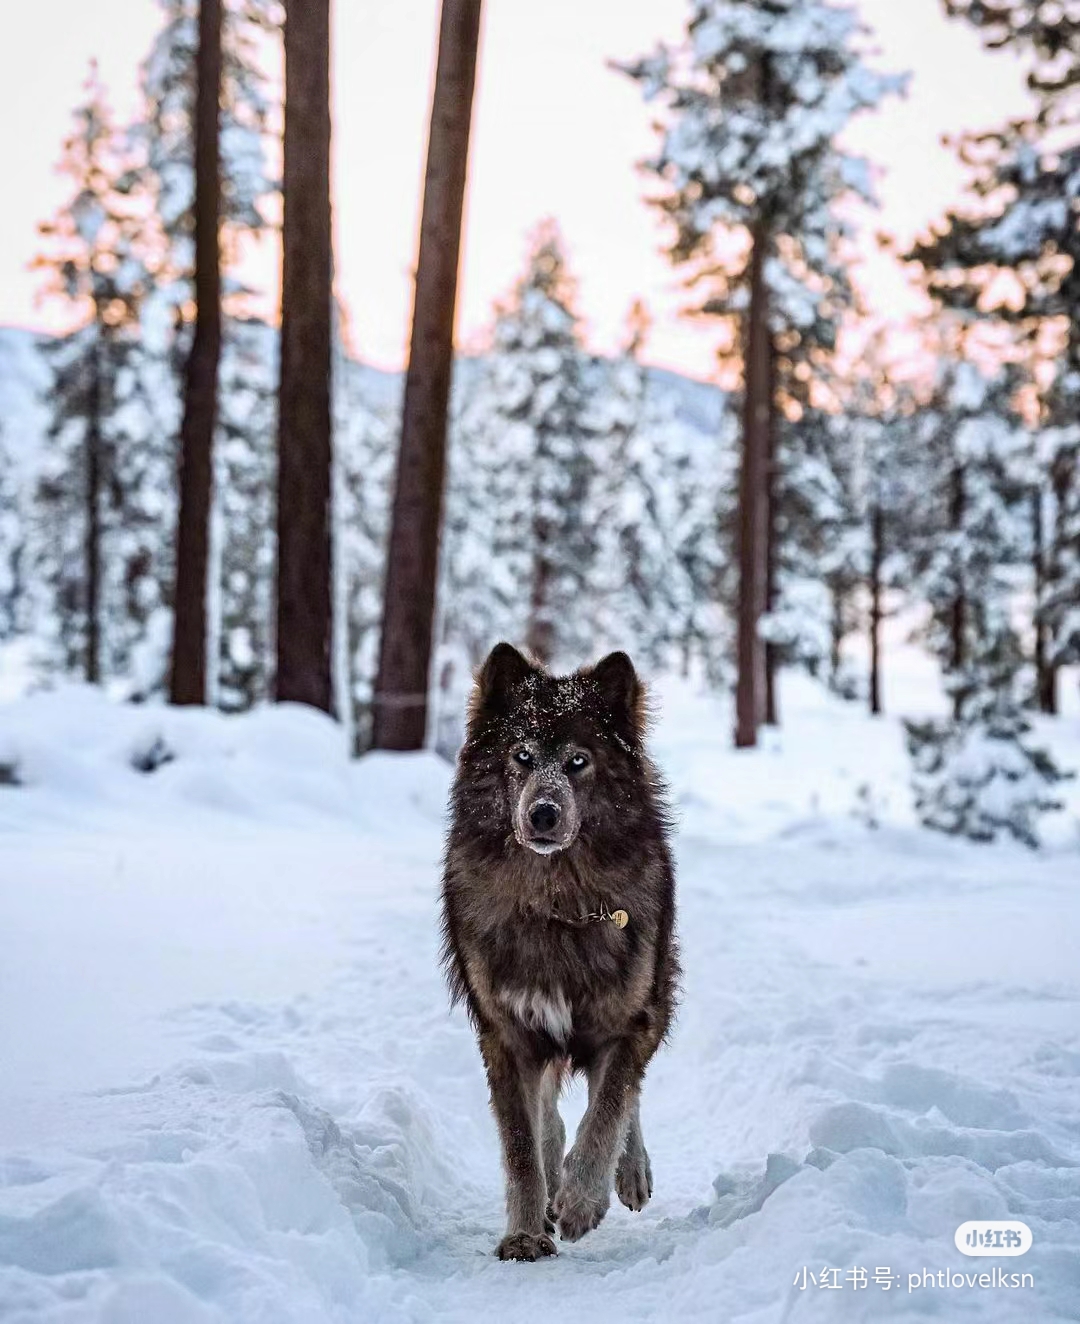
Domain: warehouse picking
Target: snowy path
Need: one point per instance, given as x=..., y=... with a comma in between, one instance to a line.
x=232, y=1091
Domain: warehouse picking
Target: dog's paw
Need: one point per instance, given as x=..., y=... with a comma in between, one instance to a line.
x=578, y=1210
x=525, y=1246
x=633, y=1180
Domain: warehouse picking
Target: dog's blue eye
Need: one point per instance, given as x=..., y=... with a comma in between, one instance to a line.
x=578, y=762
x=524, y=757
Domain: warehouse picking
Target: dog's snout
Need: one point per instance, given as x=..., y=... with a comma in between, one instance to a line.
x=544, y=815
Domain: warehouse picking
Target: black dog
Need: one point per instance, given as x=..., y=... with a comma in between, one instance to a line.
x=558, y=925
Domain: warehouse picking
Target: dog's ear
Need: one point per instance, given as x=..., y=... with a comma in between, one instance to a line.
x=503, y=671
x=621, y=688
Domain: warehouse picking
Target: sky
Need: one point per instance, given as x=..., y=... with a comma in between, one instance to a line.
x=556, y=133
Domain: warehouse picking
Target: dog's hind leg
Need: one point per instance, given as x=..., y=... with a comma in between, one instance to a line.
x=515, y=1100
x=588, y=1169
x=633, y=1176
x=552, y=1134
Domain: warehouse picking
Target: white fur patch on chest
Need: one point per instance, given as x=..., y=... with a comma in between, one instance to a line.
x=548, y=1011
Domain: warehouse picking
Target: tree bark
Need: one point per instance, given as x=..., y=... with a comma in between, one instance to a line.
x=877, y=557
x=304, y=612
x=401, y=685
x=188, y=680
x=93, y=522
x=753, y=512
x=1045, y=671
x=958, y=608
x=772, y=652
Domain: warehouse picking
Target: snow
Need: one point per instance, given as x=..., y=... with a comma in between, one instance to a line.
x=233, y=1090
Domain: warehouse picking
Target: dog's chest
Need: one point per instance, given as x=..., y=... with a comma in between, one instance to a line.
x=547, y=1010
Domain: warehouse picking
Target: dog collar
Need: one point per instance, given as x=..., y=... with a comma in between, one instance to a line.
x=617, y=917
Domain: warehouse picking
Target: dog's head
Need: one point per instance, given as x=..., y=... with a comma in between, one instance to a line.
x=562, y=746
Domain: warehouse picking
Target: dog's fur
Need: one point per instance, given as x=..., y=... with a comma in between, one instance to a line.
x=558, y=816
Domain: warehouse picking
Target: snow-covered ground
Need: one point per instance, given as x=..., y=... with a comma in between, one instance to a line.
x=231, y=1089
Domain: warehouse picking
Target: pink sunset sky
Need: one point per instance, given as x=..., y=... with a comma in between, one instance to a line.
x=556, y=133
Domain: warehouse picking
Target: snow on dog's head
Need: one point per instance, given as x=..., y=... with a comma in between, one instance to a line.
x=549, y=758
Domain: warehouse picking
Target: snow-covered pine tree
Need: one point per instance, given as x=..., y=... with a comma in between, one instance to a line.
x=1012, y=250
x=166, y=141
x=885, y=435
x=242, y=531
x=699, y=491
x=365, y=450
x=809, y=574
x=635, y=588
x=755, y=98
x=522, y=534
x=12, y=545
x=817, y=545
x=1055, y=497
x=976, y=774
x=94, y=566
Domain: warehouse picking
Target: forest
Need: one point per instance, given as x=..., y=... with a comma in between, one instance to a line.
x=227, y=512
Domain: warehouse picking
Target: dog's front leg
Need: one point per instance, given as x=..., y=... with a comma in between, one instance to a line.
x=514, y=1086
x=589, y=1167
x=633, y=1175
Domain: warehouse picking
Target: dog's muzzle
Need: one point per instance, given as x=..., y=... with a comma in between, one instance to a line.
x=543, y=823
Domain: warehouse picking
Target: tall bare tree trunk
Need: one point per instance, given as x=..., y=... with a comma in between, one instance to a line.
x=93, y=523
x=877, y=558
x=772, y=652
x=753, y=508
x=188, y=680
x=304, y=456
x=401, y=684
x=1045, y=671
x=958, y=610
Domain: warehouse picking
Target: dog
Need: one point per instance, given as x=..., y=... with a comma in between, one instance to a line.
x=558, y=918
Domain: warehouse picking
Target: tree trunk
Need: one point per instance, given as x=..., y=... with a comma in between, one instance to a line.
x=304, y=458
x=1045, y=671
x=401, y=685
x=188, y=680
x=877, y=557
x=93, y=522
x=836, y=632
x=958, y=610
x=772, y=652
x=540, y=632
x=753, y=513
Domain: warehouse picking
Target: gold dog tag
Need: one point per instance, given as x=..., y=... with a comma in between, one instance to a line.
x=620, y=919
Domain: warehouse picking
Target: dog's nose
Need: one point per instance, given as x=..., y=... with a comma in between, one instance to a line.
x=544, y=815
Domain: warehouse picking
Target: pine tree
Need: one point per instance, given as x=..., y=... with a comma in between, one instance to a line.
x=165, y=138
x=817, y=568
x=1011, y=252
x=976, y=774
x=755, y=98
x=1055, y=498
x=93, y=570
x=409, y=614
x=187, y=682
x=364, y=458
x=522, y=540
x=242, y=567
x=654, y=591
x=304, y=557
x=13, y=604
x=632, y=584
